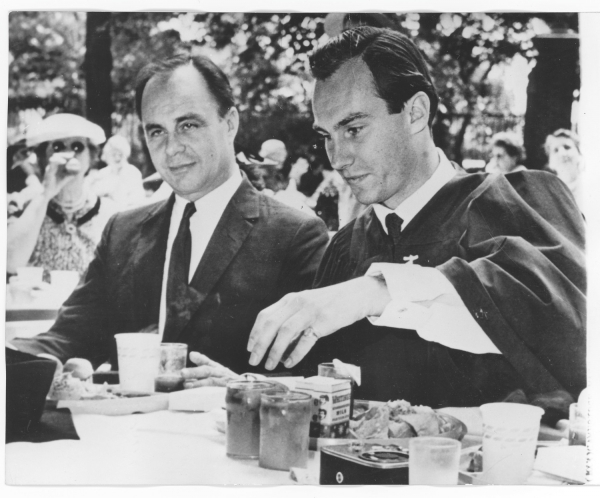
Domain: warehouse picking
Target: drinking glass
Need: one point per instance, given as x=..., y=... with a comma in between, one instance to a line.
x=242, y=401
x=284, y=429
x=433, y=461
x=577, y=425
x=173, y=357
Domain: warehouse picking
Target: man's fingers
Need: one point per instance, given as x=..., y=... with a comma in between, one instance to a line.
x=305, y=344
x=287, y=333
x=211, y=381
x=207, y=371
x=202, y=372
x=268, y=324
x=263, y=319
x=201, y=359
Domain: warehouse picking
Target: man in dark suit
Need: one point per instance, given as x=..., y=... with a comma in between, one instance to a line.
x=202, y=265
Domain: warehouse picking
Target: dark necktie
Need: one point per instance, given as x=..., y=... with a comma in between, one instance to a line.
x=393, y=222
x=177, y=280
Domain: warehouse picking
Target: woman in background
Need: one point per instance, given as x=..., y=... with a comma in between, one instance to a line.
x=118, y=180
x=506, y=154
x=564, y=159
x=59, y=228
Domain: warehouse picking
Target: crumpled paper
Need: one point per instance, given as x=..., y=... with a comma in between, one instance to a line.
x=347, y=369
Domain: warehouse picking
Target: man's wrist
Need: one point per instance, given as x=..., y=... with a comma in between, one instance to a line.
x=375, y=295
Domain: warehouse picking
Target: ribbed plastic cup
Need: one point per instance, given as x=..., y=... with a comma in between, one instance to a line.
x=510, y=433
x=139, y=356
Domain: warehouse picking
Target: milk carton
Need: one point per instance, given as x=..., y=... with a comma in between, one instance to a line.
x=331, y=405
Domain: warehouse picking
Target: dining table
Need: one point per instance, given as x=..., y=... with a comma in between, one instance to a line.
x=170, y=447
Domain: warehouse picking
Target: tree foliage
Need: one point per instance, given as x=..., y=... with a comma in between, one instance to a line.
x=46, y=53
x=265, y=55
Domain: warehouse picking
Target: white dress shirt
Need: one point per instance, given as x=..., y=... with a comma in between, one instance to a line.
x=422, y=298
x=203, y=222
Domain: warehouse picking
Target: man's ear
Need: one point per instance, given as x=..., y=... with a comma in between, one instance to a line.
x=232, y=119
x=419, y=107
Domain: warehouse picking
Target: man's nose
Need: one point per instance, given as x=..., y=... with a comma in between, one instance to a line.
x=174, y=145
x=340, y=156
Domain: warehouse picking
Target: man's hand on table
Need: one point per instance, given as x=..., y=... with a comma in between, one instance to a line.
x=299, y=319
x=207, y=373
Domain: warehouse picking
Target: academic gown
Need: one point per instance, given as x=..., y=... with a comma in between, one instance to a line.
x=513, y=247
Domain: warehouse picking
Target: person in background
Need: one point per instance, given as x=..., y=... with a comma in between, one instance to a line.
x=60, y=227
x=290, y=195
x=506, y=154
x=564, y=159
x=274, y=154
x=22, y=176
x=118, y=180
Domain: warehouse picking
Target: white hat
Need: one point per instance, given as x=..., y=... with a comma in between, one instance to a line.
x=64, y=126
x=274, y=150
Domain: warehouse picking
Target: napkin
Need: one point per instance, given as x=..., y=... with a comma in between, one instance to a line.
x=564, y=462
x=199, y=399
x=347, y=369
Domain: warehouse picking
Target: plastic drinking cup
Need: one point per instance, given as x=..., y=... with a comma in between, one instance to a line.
x=510, y=433
x=139, y=355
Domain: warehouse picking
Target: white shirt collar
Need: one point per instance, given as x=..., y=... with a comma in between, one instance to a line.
x=214, y=202
x=417, y=201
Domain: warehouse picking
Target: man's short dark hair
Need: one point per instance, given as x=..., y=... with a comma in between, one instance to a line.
x=215, y=78
x=398, y=67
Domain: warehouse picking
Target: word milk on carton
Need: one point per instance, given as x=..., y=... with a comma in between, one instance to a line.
x=331, y=405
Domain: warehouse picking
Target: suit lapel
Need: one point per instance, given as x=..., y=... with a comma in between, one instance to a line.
x=229, y=235
x=148, y=262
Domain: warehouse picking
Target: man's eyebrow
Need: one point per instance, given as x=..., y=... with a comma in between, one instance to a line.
x=347, y=120
x=151, y=126
x=191, y=115
x=180, y=119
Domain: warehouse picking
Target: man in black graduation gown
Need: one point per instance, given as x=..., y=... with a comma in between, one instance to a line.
x=450, y=289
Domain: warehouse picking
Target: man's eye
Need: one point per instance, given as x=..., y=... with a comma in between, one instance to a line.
x=354, y=131
x=189, y=126
x=154, y=133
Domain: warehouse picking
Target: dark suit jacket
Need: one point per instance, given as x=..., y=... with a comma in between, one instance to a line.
x=260, y=251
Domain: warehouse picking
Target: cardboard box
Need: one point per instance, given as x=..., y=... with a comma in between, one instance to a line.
x=331, y=405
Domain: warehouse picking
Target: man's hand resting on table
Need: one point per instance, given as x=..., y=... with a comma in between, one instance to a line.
x=207, y=373
x=298, y=320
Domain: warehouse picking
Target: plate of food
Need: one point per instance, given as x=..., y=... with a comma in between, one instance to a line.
x=376, y=420
x=81, y=396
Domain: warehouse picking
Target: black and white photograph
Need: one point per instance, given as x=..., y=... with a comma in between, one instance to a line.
x=301, y=245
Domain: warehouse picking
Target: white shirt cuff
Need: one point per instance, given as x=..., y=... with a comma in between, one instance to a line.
x=425, y=301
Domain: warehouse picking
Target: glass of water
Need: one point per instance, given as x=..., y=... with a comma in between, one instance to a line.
x=433, y=461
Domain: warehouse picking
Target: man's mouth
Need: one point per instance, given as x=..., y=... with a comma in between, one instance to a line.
x=354, y=179
x=180, y=167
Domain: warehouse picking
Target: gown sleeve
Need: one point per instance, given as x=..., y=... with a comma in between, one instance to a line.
x=522, y=276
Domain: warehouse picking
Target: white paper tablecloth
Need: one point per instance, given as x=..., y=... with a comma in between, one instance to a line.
x=155, y=448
